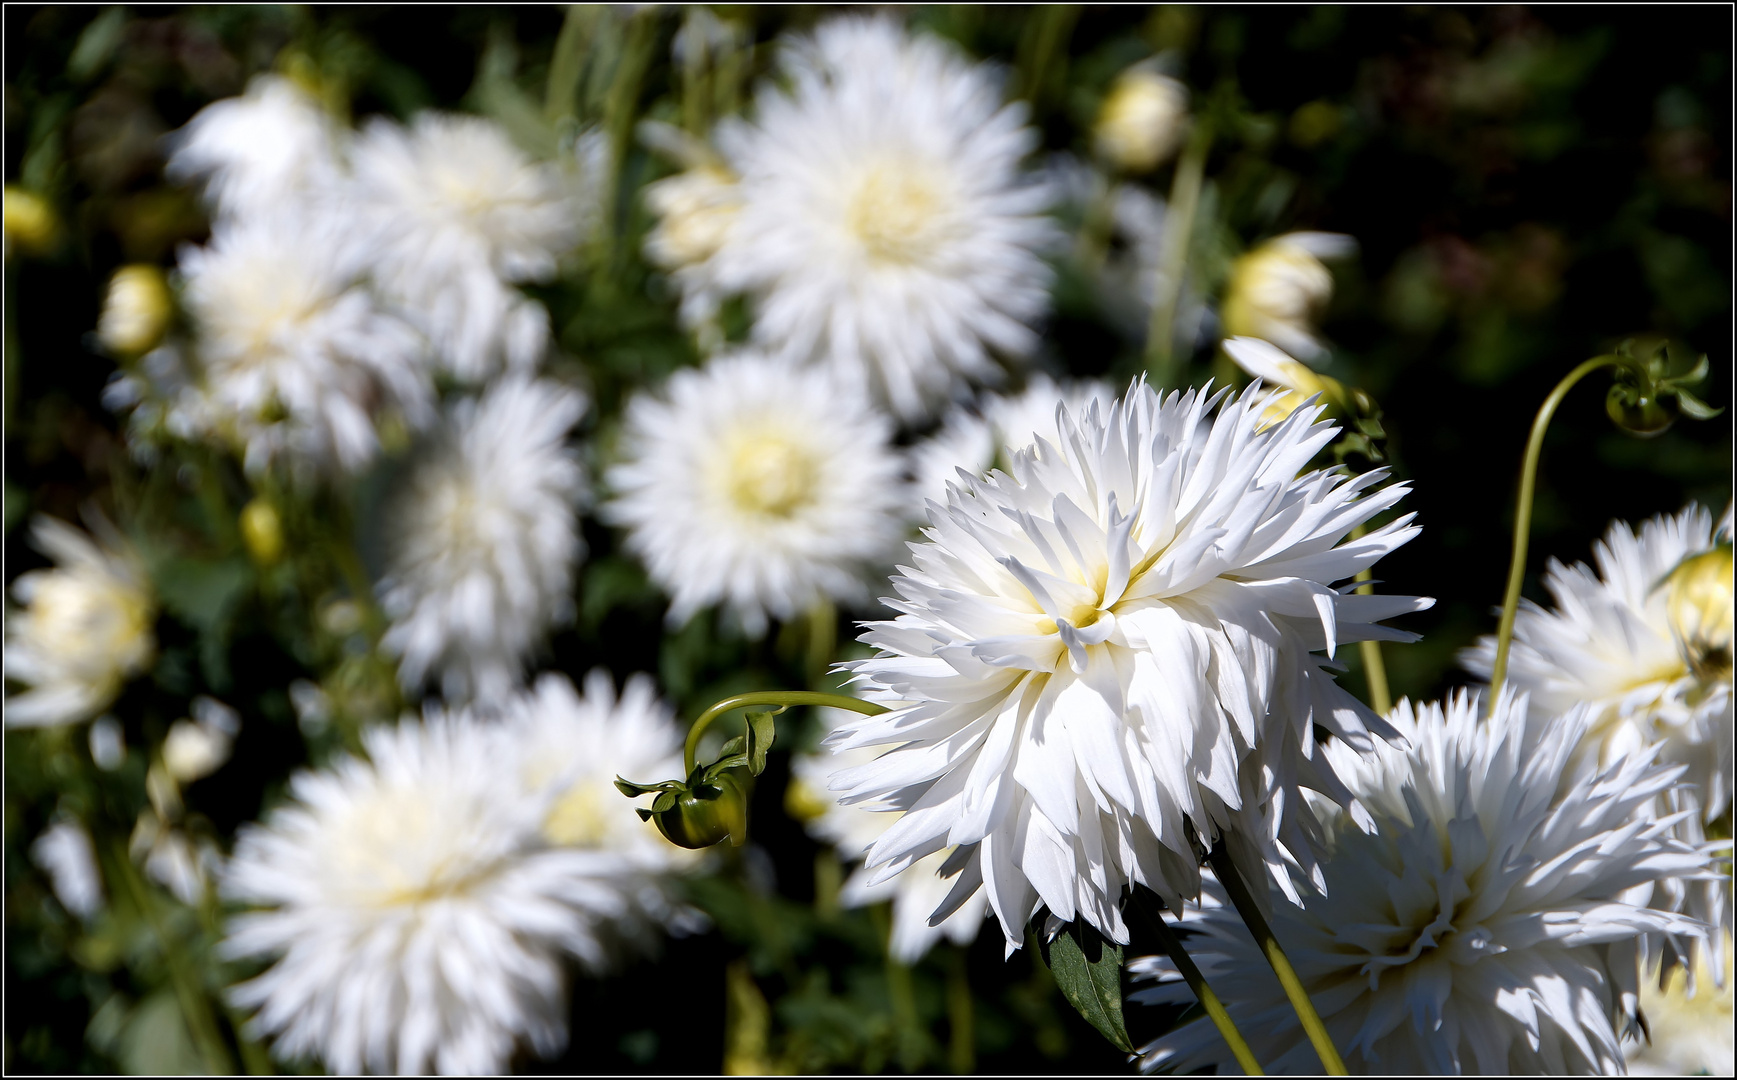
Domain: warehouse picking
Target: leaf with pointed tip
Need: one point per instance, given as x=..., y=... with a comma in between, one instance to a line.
x=1694, y=408
x=761, y=732
x=634, y=791
x=665, y=800
x=1088, y=971
x=738, y=745
x=718, y=767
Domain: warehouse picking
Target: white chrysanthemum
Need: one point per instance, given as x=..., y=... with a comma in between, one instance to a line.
x=256, y=153
x=915, y=893
x=64, y=852
x=1689, y=1023
x=296, y=356
x=569, y=749
x=86, y=628
x=1645, y=640
x=1276, y=291
x=451, y=215
x=1110, y=651
x=415, y=916
x=696, y=211
x=484, y=539
x=1483, y=922
x=978, y=439
x=885, y=228
x=756, y=485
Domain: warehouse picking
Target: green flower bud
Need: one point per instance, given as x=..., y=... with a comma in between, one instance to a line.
x=705, y=815
x=1637, y=412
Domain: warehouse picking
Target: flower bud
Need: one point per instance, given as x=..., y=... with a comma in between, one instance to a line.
x=135, y=311
x=30, y=221
x=1278, y=290
x=705, y=815
x=1698, y=605
x=1141, y=121
x=262, y=531
x=1637, y=412
x=696, y=211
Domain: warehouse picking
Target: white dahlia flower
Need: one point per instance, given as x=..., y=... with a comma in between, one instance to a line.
x=484, y=539
x=414, y=914
x=1485, y=920
x=451, y=216
x=86, y=628
x=296, y=357
x=885, y=228
x=696, y=211
x=1689, y=1022
x=256, y=154
x=984, y=437
x=757, y=485
x=1109, y=651
x=914, y=893
x=1278, y=290
x=1645, y=641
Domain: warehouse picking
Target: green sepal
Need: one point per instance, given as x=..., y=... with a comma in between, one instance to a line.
x=1694, y=408
x=664, y=801
x=761, y=732
x=1088, y=971
x=634, y=791
x=644, y=814
x=718, y=767
x=737, y=745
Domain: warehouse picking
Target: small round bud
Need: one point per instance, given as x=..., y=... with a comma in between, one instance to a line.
x=1636, y=412
x=1698, y=605
x=262, y=531
x=1142, y=120
x=30, y=221
x=706, y=815
x=136, y=310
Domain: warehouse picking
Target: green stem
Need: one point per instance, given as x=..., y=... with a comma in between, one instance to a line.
x=822, y=639
x=1045, y=34
x=1215, y=1009
x=1173, y=260
x=1233, y=884
x=961, y=1015
x=769, y=697
x=561, y=92
x=618, y=111
x=1374, y=668
x=1523, y=513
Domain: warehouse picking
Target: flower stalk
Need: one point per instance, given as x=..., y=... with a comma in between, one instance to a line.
x=769, y=697
x=1215, y=1010
x=1173, y=261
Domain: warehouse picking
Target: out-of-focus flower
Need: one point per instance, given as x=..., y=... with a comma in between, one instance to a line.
x=1645, y=642
x=484, y=539
x=262, y=530
x=1109, y=650
x=450, y=215
x=1278, y=290
x=1689, y=1023
x=136, y=310
x=64, y=853
x=569, y=750
x=30, y=221
x=1142, y=120
x=108, y=743
x=1294, y=381
x=262, y=153
x=1484, y=921
x=297, y=359
x=198, y=747
x=986, y=437
x=757, y=485
x=916, y=893
x=171, y=858
x=696, y=210
x=885, y=228
x=86, y=629
x=415, y=920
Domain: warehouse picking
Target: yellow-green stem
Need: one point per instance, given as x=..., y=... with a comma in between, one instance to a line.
x=1045, y=35
x=961, y=1015
x=1374, y=668
x=561, y=92
x=1293, y=986
x=1215, y=1010
x=618, y=111
x=768, y=697
x=1173, y=259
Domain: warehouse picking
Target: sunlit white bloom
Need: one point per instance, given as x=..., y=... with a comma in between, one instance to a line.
x=296, y=357
x=1114, y=642
x=86, y=628
x=1278, y=290
x=1292, y=382
x=567, y=750
x=261, y=152
x=1688, y=1033
x=1484, y=921
x=986, y=436
x=451, y=216
x=484, y=539
x=1645, y=640
x=198, y=747
x=756, y=485
x=1142, y=120
x=136, y=310
x=885, y=227
x=64, y=853
x=915, y=893
x=415, y=917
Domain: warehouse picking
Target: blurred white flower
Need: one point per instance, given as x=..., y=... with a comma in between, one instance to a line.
x=756, y=485
x=198, y=747
x=136, y=310
x=696, y=212
x=108, y=743
x=64, y=853
x=1689, y=1022
x=1485, y=922
x=1111, y=645
x=885, y=227
x=484, y=539
x=985, y=436
x=450, y=215
x=296, y=357
x=1278, y=290
x=172, y=858
x=415, y=918
x=87, y=627
x=1645, y=640
x=915, y=893
x=272, y=148
x=1142, y=120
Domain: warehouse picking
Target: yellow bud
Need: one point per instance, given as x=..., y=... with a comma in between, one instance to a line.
x=136, y=310
x=1141, y=121
x=262, y=531
x=1278, y=290
x=30, y=221
x=1698, y=605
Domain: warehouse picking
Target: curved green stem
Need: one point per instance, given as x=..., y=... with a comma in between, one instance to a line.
x=1257, y=924
x=1215, y=1009
x=1523, y=511
x=769, y=697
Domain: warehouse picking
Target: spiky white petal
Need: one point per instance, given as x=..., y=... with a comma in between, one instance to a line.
x=756, y=485
x=1112, y=649
x=484, y=538
x=1483, y=921
x=272, y=147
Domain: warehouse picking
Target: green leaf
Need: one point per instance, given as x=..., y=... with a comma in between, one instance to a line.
x=665, y=800
x=644, y=814
x=1088, y=971
x=720, y=766
x=761, y=732
x=1694, y=408
x=738, y=745
x=634, y=791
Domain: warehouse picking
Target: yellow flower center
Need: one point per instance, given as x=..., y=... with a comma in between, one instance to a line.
x=770, y=477
x=97, y=628
x=1699, y=607
x=895, y=213
x=582, y=817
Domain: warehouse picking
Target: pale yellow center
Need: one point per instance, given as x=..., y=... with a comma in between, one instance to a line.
x=1699, y=607
x=895, y=213
x=96, y=627
x=770, y=477
x=582, y=817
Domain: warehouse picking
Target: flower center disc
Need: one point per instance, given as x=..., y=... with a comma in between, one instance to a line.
x=770, y=477
x=894, y=213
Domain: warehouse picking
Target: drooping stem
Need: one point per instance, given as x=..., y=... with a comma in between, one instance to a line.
x=769, y=697
x=1173, y=259
x=1523, y=514
x=1215, y=1010
x=1231, y=879
x=1374, y=668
